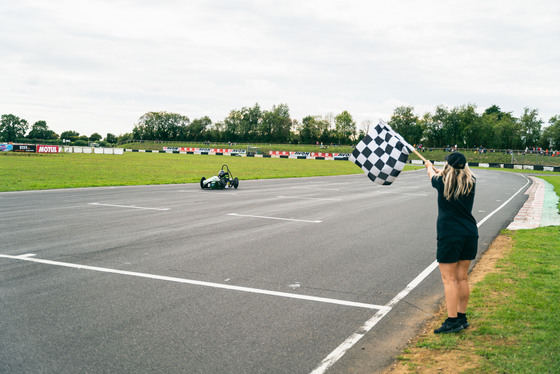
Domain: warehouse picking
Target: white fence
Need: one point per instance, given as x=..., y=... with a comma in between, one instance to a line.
x=96, y=150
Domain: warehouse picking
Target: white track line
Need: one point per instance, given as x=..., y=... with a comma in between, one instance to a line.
x=335, y=355
x=315, y=188
x=402, y=193
x=308, y=198
x=28, y=257
x=128, y=206
x=277, y=218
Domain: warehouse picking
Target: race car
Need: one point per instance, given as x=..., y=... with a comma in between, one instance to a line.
x=219, y=182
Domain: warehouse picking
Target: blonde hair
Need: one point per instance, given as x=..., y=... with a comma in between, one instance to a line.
x=457, y=182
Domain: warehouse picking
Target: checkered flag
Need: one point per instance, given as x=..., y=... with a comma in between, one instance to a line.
x=381, y=154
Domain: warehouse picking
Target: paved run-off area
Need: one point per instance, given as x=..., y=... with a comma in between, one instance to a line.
x=540, y=209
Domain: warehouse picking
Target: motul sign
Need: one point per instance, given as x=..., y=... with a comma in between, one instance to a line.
x=47, y=148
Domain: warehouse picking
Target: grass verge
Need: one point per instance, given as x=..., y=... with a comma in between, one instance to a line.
x=517, y=309
x=514, y=313
x=555, y=181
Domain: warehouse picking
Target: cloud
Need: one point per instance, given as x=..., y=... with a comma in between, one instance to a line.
x=98, y=66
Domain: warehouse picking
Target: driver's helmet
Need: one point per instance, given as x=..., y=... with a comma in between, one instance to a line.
x=221, y=174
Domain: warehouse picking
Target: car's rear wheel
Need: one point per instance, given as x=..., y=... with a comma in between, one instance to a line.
x=202, y=182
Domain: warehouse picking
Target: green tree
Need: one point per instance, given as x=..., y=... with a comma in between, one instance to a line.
x=111, y=139
x=70, y=135
x=507, y=131
x=125, y=138
x=160, y=126
x=276, y=124
x=470, y=125
x=441, y=120
x=345, y=127
x=497, y=124
x=407, y=124
x=40, y=130
x=494, y=109
x=95, y=137
x=550, y=138
x=12, y=127
x=309, y=130
x=232, y=126
x=457, y=125
x=198, y=127
x=249, y=122
x=243, y=125
x=325, y=126
x=433, y=131
x=530, y=127
x=216, y=132
x=453, y=128
x=481, y=134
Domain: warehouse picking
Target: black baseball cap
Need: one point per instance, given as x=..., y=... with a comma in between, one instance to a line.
x=456, y=160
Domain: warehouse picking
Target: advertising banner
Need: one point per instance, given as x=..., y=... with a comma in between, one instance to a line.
x=48, y=149
x=6, y=147
x=278, y=153
x=25, y=147
x=300, y=154
x=341, y=156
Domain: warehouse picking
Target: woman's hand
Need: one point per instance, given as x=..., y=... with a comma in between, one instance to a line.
x=430, y=168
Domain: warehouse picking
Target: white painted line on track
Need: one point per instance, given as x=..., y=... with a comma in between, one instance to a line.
x=316, y=189
x=128, y=206
x=27, y=257
x=402, y=193
x=335, y=355
x=276, y=218
x=308, y=198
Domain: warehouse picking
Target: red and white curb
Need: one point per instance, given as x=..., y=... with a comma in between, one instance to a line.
x=530, y=215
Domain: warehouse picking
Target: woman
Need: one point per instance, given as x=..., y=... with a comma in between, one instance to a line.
x=457, y=235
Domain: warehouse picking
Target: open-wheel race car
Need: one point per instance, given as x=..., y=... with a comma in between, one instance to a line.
x=219, y=182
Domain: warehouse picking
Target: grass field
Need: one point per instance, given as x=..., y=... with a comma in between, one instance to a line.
x=32, y=172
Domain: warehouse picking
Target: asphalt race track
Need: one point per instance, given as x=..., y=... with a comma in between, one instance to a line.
x=329, y=274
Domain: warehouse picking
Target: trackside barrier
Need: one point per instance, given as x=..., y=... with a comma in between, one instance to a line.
x=95, y=150
x=323, y=156
x=498, y=166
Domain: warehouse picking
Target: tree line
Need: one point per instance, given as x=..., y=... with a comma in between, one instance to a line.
x=248, y=124
x=462, y=126
x=14, y=129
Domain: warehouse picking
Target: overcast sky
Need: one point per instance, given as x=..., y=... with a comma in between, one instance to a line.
x=97, y=66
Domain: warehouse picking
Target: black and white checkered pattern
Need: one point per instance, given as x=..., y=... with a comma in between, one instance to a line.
x=381, y=154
